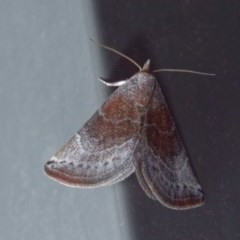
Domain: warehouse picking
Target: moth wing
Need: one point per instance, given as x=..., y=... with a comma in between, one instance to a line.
x=138, y=170
x=101, y=152
x=161, y=160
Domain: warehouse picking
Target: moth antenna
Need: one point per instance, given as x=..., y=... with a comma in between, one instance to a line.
x=184, y=71
x=117, y=52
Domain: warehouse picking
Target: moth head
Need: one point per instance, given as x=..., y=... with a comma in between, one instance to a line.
x=146, y=66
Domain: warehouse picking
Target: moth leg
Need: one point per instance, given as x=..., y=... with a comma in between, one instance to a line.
x=113, y=84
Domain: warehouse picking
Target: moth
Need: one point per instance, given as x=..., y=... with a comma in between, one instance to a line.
x=133, y=131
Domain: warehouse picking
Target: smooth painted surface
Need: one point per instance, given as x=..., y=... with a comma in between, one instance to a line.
x=48, y=90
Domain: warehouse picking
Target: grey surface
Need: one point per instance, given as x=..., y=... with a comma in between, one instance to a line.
x=48, y=89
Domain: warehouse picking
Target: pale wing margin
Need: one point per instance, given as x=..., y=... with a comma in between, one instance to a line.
x=76, y=167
